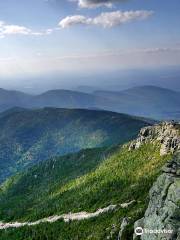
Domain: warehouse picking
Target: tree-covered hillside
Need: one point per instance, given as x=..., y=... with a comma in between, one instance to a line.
x=30, y=136
x=86, y=181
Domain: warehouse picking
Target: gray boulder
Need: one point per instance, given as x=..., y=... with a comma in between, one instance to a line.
x=162, y=217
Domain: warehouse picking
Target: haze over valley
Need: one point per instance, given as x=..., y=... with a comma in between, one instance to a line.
x=145, y=101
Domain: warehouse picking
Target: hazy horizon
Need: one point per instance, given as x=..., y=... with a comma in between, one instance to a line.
x=108, y=80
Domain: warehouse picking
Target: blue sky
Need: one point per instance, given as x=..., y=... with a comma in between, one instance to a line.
x=45, y=36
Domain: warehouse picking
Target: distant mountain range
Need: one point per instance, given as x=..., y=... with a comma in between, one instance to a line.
x=145, y=101
x=30, y=136
x=148, y=101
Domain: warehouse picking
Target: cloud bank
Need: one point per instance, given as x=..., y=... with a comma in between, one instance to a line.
x=89, y=61
x=106, y=19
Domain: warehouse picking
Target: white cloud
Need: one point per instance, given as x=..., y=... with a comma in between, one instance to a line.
x=106, y=19
x=6, y=29
x=74, y=20
x=94, y=3
x=112, y=19
x=15, y=29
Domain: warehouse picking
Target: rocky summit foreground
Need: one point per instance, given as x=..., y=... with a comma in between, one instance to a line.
x=162, y=217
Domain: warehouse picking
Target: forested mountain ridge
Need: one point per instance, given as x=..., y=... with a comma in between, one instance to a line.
x=30, y=136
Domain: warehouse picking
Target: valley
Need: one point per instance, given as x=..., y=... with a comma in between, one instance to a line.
x=31, y=136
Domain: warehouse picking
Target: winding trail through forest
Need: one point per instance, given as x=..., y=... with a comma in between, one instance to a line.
x=65, y=217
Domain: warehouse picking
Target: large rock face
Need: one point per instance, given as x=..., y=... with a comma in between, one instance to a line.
x=168, y=133
x=162, y=217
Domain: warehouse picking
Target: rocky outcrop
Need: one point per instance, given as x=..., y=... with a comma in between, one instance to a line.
x=124, y=224
x=167, y=133
x=162, y=217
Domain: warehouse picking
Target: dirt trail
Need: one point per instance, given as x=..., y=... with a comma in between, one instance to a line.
x=65, y=217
